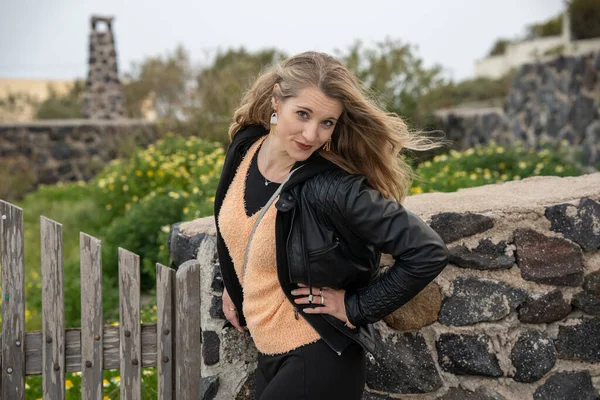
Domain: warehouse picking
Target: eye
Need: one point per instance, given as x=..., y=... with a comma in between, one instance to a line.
x=302, y=114
x=328, y=123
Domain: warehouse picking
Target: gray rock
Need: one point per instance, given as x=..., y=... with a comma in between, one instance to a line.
x=209, y=386
x=452, y=226
x=580, y=224
x=548, y=260
x=580, y=342
x=61, y=151
x=182, y=248
x=247, y=391
x=210, y=347
x=216, y=308
x=583, y=111
x=533, y=355
x=477, y=300
x=591, y=283
x=568, y=385
x=587, y=303
x=217, y=279
x=548, y=308
x=467, y=355
x=405, y=366
x=479, y=394
x=486, y=256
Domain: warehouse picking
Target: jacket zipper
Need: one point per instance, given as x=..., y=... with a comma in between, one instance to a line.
x=325, y=250
x=369, y=354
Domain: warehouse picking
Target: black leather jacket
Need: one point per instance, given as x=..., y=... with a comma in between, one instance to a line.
x=331, y=229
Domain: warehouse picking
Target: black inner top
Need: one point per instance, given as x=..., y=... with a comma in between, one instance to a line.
x=257, y=193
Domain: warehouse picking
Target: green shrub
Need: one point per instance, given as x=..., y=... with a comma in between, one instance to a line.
x=585, y=18
x=484, y=165
x=171, y=181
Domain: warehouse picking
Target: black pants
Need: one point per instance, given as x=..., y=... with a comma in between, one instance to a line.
x=312, y=372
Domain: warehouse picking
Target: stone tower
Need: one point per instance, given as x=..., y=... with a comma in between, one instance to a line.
x=104, y=97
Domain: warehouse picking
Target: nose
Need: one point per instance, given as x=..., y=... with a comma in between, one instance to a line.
x=310, y=132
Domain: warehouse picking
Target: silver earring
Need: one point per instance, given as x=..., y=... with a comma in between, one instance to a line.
x=274, y=118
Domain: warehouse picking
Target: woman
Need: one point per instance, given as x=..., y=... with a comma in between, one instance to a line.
x=301, y=273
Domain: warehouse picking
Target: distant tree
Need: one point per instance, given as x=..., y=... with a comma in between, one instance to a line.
x=160, y=80
x=585, y=18
x=394, y=75
x=551, y=27
x=62, y=106
x=499, y=47
x=14, y=105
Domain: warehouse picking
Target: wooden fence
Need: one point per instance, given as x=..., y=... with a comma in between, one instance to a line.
x=172, y=344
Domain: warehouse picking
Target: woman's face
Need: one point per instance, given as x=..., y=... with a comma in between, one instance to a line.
x=306, y=122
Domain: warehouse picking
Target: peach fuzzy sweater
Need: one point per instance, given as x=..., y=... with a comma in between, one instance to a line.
x=269, y=315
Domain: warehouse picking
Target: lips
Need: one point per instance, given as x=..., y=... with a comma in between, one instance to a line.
x=303, y=146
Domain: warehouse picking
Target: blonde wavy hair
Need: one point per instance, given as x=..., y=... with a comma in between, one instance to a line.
x=366, y=140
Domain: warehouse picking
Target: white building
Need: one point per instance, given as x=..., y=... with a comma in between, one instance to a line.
x=529, y=51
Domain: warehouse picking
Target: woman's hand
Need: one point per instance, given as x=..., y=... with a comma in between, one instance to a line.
x=230, y=311
x=330, y=301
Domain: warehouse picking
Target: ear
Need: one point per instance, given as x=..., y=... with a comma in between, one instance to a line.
x=274, y=99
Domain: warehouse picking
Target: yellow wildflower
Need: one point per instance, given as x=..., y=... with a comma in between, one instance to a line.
x=501, y=165
x=559, y=168
x=108, y=207
x=150, y=173
x=138, y=173
x=522, y=164
x=105, y=383
x=68, y=384
x=473, y=176
x=174, y=195
x=500, y=150
x=125, y=188
x=160, y=172
x=416, y=190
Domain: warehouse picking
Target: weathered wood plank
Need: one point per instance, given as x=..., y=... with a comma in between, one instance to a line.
x=13, y=301
x=91, y=317
x=129, y=322
x=165, y=278
x=187, y=331
x=110, y=360
x=53, y=310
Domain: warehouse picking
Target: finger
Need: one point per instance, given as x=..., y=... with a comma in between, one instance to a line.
x=302, y=285
x=315, y=310
x=316, y=300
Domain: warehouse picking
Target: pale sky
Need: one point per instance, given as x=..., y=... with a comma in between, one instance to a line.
x=45, y=39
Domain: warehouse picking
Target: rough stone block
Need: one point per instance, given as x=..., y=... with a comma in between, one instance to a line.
x=420, y=311
x=580, y=342
x=210, y=347
x=217, y=279
x=467, y=355
x=580, y=224
x=548, y=260
x=452, y=226
x=405, y=366
x=486, y=256
x=568, y=385
x=247, y=391
x=216, y=308
x=479, y=300
x=209, y=386
x=548, y=308
x=533, y=355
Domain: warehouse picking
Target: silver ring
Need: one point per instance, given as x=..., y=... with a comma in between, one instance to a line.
x=320, y=292
x=310, y=297
x=322, y=300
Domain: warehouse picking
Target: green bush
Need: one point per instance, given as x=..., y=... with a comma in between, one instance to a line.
x=585, y=18
x=171, y=181
x=489, y=164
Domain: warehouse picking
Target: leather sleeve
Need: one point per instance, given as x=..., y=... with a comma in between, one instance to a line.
x=418, y=251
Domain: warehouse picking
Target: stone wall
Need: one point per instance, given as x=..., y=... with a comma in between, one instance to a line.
x=554, y=101
x=516, y=314
x=70, y=150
